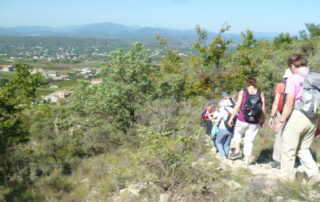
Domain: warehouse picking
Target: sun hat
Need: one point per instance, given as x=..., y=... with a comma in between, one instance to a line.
x=223, y=94
x=213, y=102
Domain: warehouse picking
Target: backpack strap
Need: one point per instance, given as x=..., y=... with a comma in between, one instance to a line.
x=259, y=93
x=301, y=74
x=247, y=92
x=232, y=102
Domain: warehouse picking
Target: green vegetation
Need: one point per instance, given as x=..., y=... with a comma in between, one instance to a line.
x=62, y=85
x=7, y=75
x=137, y=134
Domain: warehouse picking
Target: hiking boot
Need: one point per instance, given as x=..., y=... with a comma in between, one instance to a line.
x=314, y=180
x=275, y=164
x=235, y=156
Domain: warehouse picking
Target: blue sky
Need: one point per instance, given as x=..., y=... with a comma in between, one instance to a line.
x=257, y=15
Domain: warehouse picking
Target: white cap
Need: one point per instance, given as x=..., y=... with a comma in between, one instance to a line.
x=287, y=73
x=225, y=103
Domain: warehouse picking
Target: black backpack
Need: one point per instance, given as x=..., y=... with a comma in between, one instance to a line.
x=252, y=106
x=230, y=128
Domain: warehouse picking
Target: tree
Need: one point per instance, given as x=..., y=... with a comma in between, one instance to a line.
x=17, y=95
x=247, y=42
x=283, y=39
x=127, y=84
x=314, y=30
x=214, y=53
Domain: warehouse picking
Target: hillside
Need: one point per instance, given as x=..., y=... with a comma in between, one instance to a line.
x=137, y=135
x=118, y=31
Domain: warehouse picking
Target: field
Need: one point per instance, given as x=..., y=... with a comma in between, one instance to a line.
x=60, y=68
x=6, y=75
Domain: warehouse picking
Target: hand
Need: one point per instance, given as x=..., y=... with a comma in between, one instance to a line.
x=271, y=122
x=230, y=124
x=277, y=127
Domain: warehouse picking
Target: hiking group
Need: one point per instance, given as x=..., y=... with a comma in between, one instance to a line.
x=294, y=118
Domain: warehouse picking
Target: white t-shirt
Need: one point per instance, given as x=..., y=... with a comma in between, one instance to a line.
x=222, y=113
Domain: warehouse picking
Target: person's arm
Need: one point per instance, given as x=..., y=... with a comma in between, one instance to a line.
x=236, y=108
x=217, y=120
x=207, y=112
x=317, y=135
x=216, y=116
x=263, y=115
x=287, y=109
x=274, y=109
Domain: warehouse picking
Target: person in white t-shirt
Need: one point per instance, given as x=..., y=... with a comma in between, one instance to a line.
x=224, y=135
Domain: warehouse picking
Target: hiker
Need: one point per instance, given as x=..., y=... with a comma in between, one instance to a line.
x=277, y=107
x=298, y=128
x=251, y=104
x=224, y=134
x=207, y=116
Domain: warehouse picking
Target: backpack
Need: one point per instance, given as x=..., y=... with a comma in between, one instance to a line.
x=252, y=106
x=215, y=130
x=229, y=128
x=310, y=101
x=203, y=114
x=284, y=97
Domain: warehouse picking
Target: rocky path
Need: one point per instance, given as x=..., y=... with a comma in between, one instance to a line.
x=257, y=169
x=261, y=179
x=264, y=177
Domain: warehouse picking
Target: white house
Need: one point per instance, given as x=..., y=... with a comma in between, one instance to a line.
x=8, y=68
x=61, y=94
x=96, y=81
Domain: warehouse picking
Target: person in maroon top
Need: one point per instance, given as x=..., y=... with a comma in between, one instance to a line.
x=251, y=127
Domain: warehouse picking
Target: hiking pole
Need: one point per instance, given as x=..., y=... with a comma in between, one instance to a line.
x=199, y=132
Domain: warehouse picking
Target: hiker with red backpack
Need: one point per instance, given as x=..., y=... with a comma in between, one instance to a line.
x=277, y=107
x=299, y=119
x=207, y=116
x=251, y=104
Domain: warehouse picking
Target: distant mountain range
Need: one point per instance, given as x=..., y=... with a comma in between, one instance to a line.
x=118, y=31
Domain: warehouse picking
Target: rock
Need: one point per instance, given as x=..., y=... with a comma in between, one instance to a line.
x=314, y=195
x=125, y=195
x=292, y=200
x=232, y=184
x=200, y=161
x=278, y=199
x=144, y=191
x=258, y=184
x=164, y=198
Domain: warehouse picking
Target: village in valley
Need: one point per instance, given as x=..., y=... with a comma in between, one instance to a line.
x=60, y=82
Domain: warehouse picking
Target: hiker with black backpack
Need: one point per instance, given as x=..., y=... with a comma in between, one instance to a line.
x=299, y=119
x=277, y=107
x=251, y=104
x=224, y=133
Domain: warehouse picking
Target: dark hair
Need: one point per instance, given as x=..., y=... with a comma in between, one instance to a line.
x=251, y=82
x=297, y=60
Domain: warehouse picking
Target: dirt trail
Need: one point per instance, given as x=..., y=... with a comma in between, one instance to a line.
x=258, y=169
